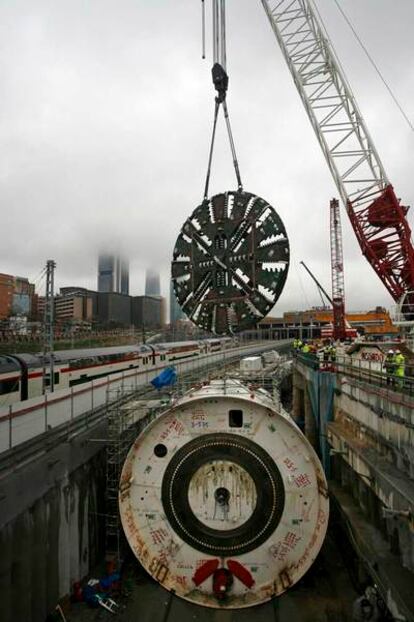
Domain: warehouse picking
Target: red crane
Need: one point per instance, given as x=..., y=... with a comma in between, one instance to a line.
x=337, y=272
x=377, y=217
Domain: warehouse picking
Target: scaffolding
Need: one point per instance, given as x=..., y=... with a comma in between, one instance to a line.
x=125, y=418
x=128, y=412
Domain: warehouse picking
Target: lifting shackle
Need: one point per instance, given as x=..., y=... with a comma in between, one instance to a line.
x=219, y=70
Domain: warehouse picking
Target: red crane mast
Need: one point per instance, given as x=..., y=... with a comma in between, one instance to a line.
x=337, y=272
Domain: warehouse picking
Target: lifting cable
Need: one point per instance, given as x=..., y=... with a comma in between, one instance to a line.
x=374, y=65
x=220, y=81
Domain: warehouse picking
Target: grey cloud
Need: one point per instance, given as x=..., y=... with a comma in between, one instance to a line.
x=105, y=119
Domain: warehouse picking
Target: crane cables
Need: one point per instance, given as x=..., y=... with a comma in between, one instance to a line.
x=220, y=81
x=370, y=59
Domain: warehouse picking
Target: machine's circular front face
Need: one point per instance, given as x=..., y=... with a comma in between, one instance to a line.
x=230, y=262
x=224, y=501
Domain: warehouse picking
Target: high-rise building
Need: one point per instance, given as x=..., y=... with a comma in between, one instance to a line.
x=152, y=283
x=176, y=313
x=113, y=274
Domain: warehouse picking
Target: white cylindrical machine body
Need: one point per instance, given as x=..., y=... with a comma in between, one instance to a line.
x=222, y=498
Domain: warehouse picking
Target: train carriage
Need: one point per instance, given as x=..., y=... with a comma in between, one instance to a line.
x=23, y=376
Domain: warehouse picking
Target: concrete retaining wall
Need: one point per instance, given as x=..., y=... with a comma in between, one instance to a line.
x=56, y=534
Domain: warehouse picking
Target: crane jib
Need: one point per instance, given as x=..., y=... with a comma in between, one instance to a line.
x=378, y=219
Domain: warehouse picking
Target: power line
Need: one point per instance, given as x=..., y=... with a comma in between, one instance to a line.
x=38, y=279
x=373, y=63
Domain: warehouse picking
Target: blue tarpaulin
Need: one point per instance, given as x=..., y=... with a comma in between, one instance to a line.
x=166, y=377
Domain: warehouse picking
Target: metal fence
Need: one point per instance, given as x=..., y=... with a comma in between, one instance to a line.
x=370, y=372
x=26, y=420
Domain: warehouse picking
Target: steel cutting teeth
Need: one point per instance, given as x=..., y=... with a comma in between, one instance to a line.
x=230, y=262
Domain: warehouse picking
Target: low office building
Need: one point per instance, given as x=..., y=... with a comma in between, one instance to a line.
x=73, y=308
x=6, y=295
x=86, y=293
x=146, y=311
x=68, y=309
x=376, y=324
x=114, y=309
x=16, y=296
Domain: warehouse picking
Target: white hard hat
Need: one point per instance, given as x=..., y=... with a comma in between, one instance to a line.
x=390, y=351
x=398, y=351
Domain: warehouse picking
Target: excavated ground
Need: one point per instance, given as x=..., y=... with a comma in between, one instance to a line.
x=325, y=594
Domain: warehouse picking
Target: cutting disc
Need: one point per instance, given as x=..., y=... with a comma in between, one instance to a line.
x=230, y=262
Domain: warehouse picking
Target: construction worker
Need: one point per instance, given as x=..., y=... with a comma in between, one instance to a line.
x=297, y=345
x=399, y=361
x=305, y=348
x=389, y=366
x=332, y=353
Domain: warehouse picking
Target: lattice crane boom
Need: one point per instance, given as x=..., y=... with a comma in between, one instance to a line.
x=378, y=219
x=337, y=271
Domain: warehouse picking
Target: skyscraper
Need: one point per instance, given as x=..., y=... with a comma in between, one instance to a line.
x=152, y=283
x=176, y=313
x=113, y=274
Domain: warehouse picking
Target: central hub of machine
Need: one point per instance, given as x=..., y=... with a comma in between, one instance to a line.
x=223, y=494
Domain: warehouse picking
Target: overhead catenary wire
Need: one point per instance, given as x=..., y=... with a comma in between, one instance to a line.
x=374, y=64
x=39, y=276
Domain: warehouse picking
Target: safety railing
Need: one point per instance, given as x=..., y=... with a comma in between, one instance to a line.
x=371, y=372
x=23, y=421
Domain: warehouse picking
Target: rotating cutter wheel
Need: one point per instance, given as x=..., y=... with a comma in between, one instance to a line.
x=230, y=262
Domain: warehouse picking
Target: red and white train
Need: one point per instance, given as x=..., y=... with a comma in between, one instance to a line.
x=22, y=375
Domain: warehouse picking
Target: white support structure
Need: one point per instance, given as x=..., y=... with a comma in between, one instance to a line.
x=329, y=102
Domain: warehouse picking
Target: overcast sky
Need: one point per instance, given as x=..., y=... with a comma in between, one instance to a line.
x=106, y=110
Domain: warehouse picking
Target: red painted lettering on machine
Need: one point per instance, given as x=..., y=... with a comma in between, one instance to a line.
x=290, y=465
x=288, y=544
x=302, y=480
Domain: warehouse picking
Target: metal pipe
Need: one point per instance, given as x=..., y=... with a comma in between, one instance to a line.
x=223, y=58
x=216, y=40
x=203, y=29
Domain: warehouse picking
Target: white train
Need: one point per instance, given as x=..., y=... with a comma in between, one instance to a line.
x=23, y=376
